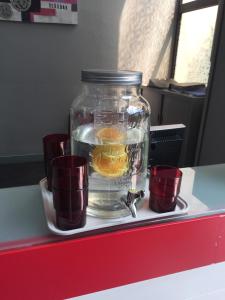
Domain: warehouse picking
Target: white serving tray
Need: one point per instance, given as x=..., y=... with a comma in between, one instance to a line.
x=93, y=224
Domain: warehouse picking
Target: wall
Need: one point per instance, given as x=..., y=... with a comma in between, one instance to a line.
x=41, y=64
x=146, y=31
x=213, y=139
x=40, y=71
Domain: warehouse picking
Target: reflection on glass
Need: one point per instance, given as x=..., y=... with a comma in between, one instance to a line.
x=195, y=45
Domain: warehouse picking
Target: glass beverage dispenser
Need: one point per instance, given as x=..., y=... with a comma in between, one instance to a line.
x=110, y=123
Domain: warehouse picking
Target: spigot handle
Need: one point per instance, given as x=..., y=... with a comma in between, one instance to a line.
x=132, y=197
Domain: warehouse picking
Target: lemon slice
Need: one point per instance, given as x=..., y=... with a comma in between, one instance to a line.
x=109, y=135
x=110, y=160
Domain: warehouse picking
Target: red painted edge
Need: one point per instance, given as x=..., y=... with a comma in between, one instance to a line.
x=46, y=12
x=61, y=2
x=28, y=242
x=86, y=265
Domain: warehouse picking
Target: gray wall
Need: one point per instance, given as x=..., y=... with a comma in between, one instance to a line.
x=40, y=71
x=213, y=140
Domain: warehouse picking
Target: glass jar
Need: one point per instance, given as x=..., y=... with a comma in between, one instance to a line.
x=110, y=123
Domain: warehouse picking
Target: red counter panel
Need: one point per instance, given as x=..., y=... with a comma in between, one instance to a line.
x=85, y=265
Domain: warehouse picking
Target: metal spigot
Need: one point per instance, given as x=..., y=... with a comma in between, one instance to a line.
x=132, y=197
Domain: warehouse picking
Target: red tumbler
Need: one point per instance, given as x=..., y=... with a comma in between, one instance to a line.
x=70, y=191
x=54, y=145
x=164, y=188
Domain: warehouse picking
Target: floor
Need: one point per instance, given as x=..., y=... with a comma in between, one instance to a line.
x=19, y=174
x=205, y=283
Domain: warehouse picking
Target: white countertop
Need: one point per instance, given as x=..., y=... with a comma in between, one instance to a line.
x=22, y=220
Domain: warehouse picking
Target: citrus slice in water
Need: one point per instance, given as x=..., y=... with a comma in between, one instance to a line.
x=110, y=160
x=110, y=135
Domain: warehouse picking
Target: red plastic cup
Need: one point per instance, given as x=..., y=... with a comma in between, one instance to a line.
x=54, y=145
x=164, y=188
x=70, y=191
x=70, y=206
x=69, y=172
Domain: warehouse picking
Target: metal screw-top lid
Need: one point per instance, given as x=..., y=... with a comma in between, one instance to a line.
x=112, y=77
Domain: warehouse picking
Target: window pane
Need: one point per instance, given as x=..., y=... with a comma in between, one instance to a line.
x=195, y=45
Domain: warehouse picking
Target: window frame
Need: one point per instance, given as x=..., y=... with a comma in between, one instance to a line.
x=182, y=8
x=187, y=7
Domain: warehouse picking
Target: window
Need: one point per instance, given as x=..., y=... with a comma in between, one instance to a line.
x=197, y=20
